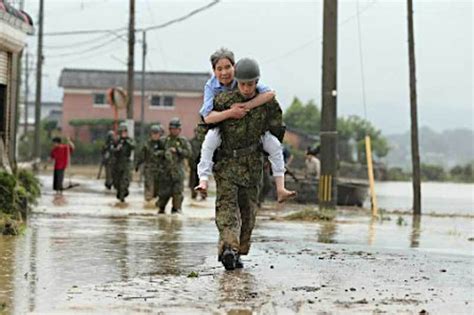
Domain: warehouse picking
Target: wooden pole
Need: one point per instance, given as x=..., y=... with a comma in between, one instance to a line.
x=415, y=153
x=370, y=170
x=142, y=125
x=39, y=67
x=328, y=133
x=130, y=74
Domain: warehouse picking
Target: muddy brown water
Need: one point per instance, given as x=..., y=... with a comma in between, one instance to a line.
x=84, y=255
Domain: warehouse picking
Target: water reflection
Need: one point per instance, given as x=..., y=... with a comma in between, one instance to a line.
x=372, y=230
x=167, y=248
x=327, y=232
x=415, y=231
x=237, y=286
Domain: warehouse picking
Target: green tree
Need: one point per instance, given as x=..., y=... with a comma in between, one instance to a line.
x=462, y=173
x=306, y=118
x=351, y=130
x=431, y=172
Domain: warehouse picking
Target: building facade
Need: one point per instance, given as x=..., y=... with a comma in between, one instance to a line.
x=167, y=95
x=15, y=25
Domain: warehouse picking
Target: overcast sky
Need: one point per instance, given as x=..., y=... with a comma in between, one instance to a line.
x=285, y=37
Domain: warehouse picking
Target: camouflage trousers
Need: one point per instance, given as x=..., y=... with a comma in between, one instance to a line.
x=236, y=209
x=151, y=184
x=108, y=174
x=170, y=189
x=193, y=181
x=121, y=178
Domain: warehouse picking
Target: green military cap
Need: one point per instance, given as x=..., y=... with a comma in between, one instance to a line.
x=247, y=69
x=156, y=129
x=123, y=127
x=175, y=123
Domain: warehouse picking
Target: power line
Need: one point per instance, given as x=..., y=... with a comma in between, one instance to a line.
x=312, y=41
x=180, y=19
x=150, y=28
x=86, y=50
x=362, y=76
x=75, y=45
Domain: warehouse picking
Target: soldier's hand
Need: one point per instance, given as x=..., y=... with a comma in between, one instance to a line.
x=173, y=150
x=238, y=111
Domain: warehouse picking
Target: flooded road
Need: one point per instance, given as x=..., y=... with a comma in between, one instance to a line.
x=85, y=255
x=446, y=198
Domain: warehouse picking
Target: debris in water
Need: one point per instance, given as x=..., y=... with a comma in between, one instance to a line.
x=193, y=274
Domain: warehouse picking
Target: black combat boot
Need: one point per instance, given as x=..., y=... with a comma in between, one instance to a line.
x=229, y=258
x=175, y=211
x=238, y=263
x=161, y=211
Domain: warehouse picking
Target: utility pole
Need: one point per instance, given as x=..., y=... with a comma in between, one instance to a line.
x=327, y=191
x=130, y=85
x=415, y=152
x=142, y=125
x=39, y=65
x=27, y=71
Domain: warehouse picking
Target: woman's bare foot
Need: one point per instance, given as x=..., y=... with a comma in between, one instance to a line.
x=202, y=188
x=284, y=195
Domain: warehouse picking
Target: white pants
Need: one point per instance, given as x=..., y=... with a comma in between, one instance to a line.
x=212, y=141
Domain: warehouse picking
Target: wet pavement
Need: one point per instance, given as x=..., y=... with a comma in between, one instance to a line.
x=85, y=254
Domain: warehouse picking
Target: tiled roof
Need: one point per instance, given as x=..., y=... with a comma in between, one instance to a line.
x=154, y=81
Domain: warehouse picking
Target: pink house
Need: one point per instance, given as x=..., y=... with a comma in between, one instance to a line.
x=167, y=95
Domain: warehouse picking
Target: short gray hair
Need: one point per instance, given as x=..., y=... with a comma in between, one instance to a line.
x=220, y=54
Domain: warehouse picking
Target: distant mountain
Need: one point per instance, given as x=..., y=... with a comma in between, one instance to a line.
x=448, y=148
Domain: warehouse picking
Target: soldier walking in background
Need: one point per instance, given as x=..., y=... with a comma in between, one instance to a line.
x=196, y=143
x=108, y=159
x=151, y=162
x=122, y=149
x=174, y=150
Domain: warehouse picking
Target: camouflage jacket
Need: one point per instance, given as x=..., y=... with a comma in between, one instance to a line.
x=123, y=150
x=240, y=157
x=173, y=162
x=107, y=151
x=148, y=155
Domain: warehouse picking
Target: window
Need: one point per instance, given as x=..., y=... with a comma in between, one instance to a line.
x=99, y=99
x=168, y=101
x=162, y=101
x=156, y=100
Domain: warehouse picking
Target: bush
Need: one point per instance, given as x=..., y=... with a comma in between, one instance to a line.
x=7, y=192
x=397, y=174
x=432, y=173
x=31, y=185
x=87, y=153
x=16, y=192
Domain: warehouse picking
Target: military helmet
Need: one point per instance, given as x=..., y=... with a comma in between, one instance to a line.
x=123, y=127
x=156, y=129
x=110, y=134
x=175, y=123
x=247, y=69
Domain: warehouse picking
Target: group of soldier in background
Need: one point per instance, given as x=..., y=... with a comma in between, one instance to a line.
x=162, y=160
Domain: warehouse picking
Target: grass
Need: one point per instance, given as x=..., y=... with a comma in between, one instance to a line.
x=310, y=214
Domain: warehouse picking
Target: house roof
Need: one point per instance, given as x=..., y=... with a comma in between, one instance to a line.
x=17, y=18
x=154, y=81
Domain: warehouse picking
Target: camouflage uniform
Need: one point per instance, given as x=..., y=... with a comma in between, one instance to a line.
x=172, y=171
x=238, y=170
x=196, y=143
x=152, y=167
x=108, y=159
x=121, y=173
